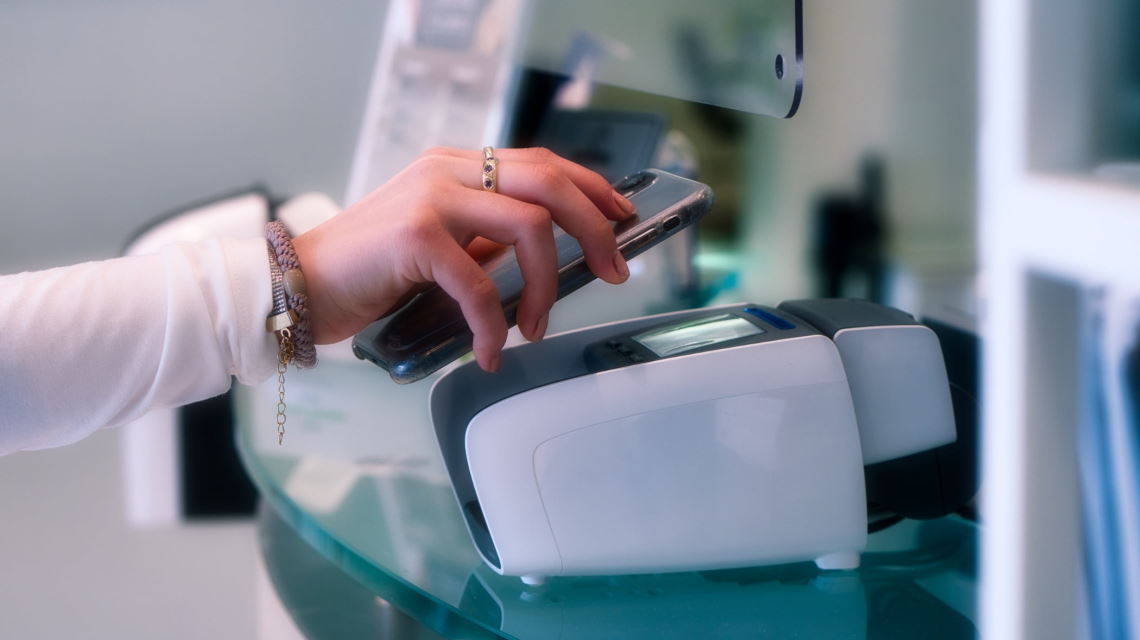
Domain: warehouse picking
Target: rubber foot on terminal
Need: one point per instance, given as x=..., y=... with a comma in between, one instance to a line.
x=838, y=561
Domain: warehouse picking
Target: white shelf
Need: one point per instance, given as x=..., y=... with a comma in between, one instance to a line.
x=1080, y=227
x=1048, y=233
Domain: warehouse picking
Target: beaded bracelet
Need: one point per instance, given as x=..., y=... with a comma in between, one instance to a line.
x=289, y=319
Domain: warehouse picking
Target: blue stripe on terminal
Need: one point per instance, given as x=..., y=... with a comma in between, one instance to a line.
x=770, y=318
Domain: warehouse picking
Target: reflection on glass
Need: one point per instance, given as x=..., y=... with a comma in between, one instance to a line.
x=785, y=603
x=741, y=54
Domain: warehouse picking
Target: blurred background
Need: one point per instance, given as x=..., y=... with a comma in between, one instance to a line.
x=926, y=139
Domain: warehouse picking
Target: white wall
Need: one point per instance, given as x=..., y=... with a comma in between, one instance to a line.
x=114, y=111
x=71, y=568
x=110, y=113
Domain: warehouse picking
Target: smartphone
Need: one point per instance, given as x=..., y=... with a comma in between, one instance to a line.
x=430, y=331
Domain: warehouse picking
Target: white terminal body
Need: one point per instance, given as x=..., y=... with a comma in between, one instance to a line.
x=739, y=456
x=900, y=389
x=704, y=439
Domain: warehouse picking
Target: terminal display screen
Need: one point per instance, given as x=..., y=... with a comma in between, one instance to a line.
x=694, y=334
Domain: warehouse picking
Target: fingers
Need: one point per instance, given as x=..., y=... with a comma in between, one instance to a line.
x=593, y=185
x=526, y=226
x=482, y=249
x=570, y=207
x=597, y=189
x=465, y=281
x=536, y=188
x=611, y=203
x=571, y=210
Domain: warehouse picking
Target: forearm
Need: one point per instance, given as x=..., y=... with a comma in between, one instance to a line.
x=100, y=343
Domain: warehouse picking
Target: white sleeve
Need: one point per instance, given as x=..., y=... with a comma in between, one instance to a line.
x=100, y=343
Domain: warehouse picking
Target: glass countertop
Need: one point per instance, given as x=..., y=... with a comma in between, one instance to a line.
x=359, y=477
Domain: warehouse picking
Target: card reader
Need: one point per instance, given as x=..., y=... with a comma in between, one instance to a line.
x=704, y=439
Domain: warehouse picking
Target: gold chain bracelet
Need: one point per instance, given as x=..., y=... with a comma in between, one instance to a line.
x=288, y=320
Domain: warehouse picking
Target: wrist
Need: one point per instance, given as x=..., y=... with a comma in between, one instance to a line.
x=322, y=310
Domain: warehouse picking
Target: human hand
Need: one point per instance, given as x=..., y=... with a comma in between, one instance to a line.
x=433, y=221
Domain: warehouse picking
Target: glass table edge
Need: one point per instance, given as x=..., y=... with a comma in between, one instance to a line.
x=406, y=596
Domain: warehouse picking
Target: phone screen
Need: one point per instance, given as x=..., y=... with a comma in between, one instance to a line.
x=694, y=334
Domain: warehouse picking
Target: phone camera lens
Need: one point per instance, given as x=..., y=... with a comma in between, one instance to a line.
x=632, y=184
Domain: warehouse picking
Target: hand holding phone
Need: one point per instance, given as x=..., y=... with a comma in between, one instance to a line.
x=430, y=331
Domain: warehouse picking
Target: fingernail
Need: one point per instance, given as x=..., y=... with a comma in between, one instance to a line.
x=620, y=266
x=493, y=365
x=540, y=328
x=625, y=204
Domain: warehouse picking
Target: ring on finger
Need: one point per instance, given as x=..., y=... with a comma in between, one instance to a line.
x=490, y=170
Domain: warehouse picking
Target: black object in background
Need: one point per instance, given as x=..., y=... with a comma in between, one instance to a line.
x=613, y=143
x=214, y=482
x=534, y=99
x=850, y=238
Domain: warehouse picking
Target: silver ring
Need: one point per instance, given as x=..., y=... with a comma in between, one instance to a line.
x=490, y=170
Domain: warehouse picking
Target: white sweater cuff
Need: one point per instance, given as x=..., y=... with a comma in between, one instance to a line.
x=253, y=349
